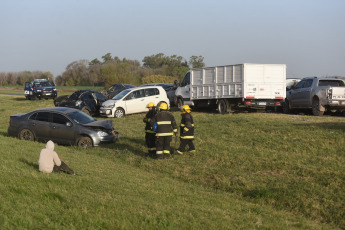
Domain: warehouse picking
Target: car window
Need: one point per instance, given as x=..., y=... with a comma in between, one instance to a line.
x=186, y=80
x=74, y=96
x=308, y=83
x=60, y=119
x=135, y=94
x=121, y=95
x=81, y=117
x=151, y=92
x=300, y=84
x=41, y=116
x=331, y=83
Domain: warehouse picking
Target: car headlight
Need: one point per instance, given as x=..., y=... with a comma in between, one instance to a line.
x=39, y=90
x=109, y=106
x=102, y=134
x=77, y=103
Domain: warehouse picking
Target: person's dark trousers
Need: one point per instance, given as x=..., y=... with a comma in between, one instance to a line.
x=150, y=139
x=63, y=168
x=163, y=146
x=185, y=143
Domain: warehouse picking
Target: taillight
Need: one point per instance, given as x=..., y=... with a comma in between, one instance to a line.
x=277, y=103
x=248, y=103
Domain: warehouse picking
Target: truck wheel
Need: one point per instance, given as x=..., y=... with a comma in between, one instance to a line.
x=222, y=106
x=119, y=113
x=179, y=103
x=317, y=107
x=26, y=134
x=286, y=107
x=85, y=142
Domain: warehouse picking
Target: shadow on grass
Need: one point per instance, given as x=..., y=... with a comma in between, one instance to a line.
x=31, y=164
x=125, y=145
x=326, y=125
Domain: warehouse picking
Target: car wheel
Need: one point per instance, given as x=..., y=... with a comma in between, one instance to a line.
x=85, y=142
x=85, y=110
x=179, y=103
x=26, y=134
x=317, y=107
x=119, y=113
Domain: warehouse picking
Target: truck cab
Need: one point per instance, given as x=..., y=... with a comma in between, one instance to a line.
x=38, y=89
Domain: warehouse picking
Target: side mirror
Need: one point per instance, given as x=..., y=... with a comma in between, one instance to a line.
x=69, y=124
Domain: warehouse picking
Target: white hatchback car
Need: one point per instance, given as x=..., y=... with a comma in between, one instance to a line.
x=133, y=100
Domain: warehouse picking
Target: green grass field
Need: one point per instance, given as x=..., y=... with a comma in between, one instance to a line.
x=250, y=171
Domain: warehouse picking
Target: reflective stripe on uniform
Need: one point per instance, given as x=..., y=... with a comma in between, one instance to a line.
x=187, y=137
x=150, y=131
x=159, y=152
x=175, y=130
x=165, y=134
x=164, y=123
x=152, y=149
x=166, y=151
x=183, y=125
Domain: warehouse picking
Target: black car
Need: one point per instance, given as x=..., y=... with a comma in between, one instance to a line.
x=62, y=125
x=115, y=89
x=88, y=101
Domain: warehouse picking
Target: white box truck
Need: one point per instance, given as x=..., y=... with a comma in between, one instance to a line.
x=249, y=86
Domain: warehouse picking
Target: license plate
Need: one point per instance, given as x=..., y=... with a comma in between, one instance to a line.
x=261, y=103
x=48, y=93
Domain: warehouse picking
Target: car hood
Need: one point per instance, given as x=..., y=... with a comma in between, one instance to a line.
x=109, y=102
x=107, y=124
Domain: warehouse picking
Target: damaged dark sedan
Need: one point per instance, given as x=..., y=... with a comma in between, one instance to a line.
x=62, y=125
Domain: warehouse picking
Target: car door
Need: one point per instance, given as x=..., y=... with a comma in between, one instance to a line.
x=135, y=102
x=151, y=95
x=305, y=94
x=295, y=95
x=40, y=125
x=62, y=130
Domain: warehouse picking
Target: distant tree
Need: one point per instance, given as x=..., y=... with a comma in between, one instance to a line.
x=78, y=72
x=3, y=79
x=107, y=57
x=95, y=62
x=196, y=61
x=59, y=81
x=157, y=79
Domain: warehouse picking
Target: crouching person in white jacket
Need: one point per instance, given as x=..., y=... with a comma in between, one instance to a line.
x=49, y=161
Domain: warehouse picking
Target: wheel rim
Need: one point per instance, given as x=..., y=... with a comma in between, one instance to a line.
x=26, y=135
x=119, y=113
x=85, y=142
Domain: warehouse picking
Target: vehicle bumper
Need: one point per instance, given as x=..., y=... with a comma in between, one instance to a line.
x=114, y=137
x=106, y=112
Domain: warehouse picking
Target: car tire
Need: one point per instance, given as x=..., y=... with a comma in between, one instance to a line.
x=26, y=134
x=85, y=142
x=179, y=103
x=119, y=113
x=317, y=107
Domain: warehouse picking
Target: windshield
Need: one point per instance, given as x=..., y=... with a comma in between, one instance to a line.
x=81, y=117
x=121, y=95
x=42, y=84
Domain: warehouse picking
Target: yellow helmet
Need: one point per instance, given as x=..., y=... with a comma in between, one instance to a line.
x=186, y=108
x=163, y=106
x=151, y=104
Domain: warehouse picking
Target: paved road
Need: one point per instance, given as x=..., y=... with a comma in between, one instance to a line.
x=12, y=94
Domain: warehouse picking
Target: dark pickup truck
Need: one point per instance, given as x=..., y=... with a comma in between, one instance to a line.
x=38, y=89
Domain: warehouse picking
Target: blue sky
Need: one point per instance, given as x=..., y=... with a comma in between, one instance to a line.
x=47, y=35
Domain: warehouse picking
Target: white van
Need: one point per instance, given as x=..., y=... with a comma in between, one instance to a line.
x=133, y=100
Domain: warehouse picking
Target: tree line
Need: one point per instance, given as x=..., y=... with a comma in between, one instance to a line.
x=111, y=70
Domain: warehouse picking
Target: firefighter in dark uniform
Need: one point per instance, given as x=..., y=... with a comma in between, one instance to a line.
x=165, y=125
x=150, y=135
x=186, y=131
